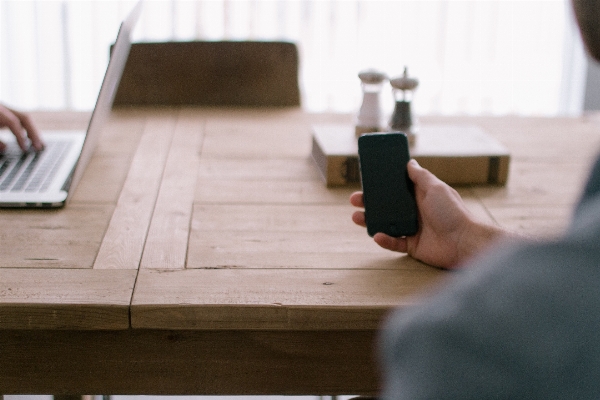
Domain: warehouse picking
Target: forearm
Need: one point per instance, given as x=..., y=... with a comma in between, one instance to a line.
x=479, y=237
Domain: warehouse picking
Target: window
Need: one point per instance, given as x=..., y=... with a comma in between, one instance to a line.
x=488, y=57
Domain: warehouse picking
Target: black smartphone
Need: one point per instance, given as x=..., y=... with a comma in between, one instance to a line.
x=388, y=192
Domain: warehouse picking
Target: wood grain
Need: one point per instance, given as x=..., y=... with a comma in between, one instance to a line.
x=297, y=168
x=177, y=362
x=104, y=177
x=268, y=191
x=296, y=299
x=65, y=238
x=248, y=134
x=124, y=240
x=254, y=280
x=167, y=242
x=65, y=299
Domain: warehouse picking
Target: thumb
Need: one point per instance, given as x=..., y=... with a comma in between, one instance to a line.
x=417, y=173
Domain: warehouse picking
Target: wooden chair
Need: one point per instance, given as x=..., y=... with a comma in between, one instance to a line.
x=223, y=73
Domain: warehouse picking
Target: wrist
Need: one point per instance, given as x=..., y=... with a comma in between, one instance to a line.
x=477, y=237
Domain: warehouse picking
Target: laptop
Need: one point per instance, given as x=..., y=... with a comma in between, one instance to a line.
x=48, y=178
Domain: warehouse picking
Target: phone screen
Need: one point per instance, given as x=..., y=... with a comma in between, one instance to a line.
x=388, y=192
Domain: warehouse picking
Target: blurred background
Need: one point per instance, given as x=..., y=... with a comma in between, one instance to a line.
x=473, y=57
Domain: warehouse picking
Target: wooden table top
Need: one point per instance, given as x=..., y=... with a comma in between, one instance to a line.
x=217, y=219
x=215, y=225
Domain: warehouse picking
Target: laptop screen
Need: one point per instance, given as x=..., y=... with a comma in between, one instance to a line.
x=110, y=83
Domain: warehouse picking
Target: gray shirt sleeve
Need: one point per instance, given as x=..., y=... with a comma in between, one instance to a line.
x=521, y=322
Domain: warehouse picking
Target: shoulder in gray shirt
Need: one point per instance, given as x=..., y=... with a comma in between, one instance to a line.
x=521, y=322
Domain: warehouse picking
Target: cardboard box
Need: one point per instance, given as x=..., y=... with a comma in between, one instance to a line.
x=457, y=154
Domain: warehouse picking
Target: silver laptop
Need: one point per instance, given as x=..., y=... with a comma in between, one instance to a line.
x=49, y=178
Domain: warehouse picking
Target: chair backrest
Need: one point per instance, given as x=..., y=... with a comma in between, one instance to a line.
x=225, y=73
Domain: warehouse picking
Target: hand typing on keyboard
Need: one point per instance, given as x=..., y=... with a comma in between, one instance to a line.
x=21, y=125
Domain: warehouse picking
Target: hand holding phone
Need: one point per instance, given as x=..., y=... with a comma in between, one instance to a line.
x=388, y=192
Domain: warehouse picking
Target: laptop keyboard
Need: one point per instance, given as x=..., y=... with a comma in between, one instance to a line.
x=31, y=172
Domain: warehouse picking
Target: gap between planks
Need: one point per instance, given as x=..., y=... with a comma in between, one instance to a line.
x=125, y=237
x=167, y=242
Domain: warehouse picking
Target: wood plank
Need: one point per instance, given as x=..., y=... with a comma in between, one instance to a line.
x=166, y=245
x=289, y=236
x=553, y=157
x=278, y=236
x=268, y=181
x=568, y=138
x=331, y=218
x=295, y=217
x=367, y=256
x=122, y=132
x=538, y=182
x=102, y=180
x=65, y=299
x=242, y=250
x=290, y=250
x=63, y=238
x=171, y=362
x=126, y=234
x=298, y=168
x=539, y=221
x=540, y=195
x=300, y=299
x=268, y=191
x=281, y=236
x=105, y=174
x=273, y=133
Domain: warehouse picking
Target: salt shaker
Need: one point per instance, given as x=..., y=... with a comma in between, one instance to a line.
x=370, y=115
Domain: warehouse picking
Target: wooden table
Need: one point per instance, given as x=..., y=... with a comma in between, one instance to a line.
x=202, y=254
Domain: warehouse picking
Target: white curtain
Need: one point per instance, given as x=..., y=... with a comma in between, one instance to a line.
x=488, y=57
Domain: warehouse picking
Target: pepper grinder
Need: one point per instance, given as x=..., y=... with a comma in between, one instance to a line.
x=370, y=114
x=402, y=120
